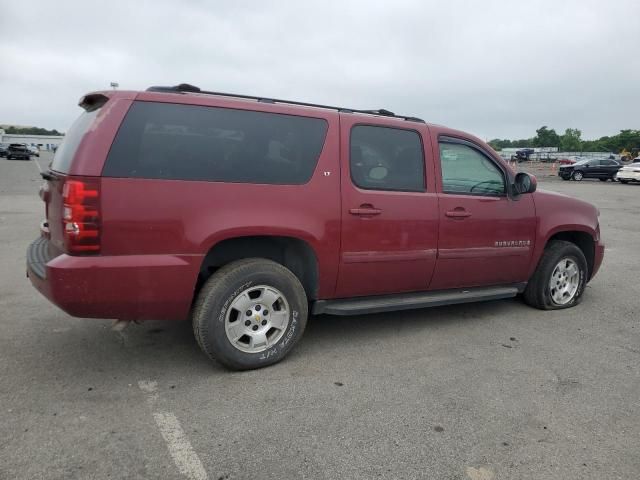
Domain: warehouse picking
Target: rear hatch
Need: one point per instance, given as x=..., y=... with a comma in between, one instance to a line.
x=72, y=206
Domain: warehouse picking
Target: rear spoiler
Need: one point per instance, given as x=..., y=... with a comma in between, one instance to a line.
x=93, y=101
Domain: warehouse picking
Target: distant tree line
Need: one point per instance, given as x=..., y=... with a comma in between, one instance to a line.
x=571, y=141
x=30, y=131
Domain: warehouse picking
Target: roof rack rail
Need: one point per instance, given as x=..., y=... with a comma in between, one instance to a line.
x=186, y=88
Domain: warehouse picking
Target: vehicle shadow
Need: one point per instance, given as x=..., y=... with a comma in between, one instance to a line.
x=154, y=348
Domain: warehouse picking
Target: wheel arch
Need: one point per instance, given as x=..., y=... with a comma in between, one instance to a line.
x=291, y=252
x=582, y=239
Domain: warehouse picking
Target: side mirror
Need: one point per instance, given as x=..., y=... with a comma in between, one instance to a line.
x=524, y=183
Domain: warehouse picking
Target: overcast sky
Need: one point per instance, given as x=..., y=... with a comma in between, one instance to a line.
x=493, y=68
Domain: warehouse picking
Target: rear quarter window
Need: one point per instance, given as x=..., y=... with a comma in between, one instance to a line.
x=189, y=142
x=67, y=149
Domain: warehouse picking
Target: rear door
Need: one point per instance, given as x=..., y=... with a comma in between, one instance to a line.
x=609, y=167
x=389, y=207
x=485, y=237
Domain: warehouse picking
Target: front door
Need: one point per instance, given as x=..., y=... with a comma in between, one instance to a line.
x=389, y=207
x=593, y=169
x=485, y=237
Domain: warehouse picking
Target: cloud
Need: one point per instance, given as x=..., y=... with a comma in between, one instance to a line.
x=493, y=68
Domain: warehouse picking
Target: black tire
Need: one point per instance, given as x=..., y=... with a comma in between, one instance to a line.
x=9, y=157
x=603, y=179
x=537, y=293
x=565, y=178
x=216, y=297
x=624, y=181
x=577, y=176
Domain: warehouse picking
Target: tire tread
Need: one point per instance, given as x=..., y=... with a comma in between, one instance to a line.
x=534, y=293
x=223, y=280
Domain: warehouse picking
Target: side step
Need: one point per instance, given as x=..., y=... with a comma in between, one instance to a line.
x=407, y=301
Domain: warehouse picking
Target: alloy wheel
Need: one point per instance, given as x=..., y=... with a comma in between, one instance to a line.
x=257, y=319
x=564, y=282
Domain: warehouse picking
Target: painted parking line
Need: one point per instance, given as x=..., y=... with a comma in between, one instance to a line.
x=35, y=160
x=180, y=449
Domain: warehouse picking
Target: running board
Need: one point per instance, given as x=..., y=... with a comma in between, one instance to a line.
x=407, y=301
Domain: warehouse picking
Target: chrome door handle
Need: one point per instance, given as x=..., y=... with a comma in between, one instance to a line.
x=365, y=211
x=458, y=214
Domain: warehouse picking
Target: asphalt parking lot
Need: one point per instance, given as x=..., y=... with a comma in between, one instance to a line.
x=483, y=391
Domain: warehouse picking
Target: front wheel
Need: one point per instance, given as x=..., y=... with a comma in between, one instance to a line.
x=577, y=176
x=250, y=314
x=560, y=278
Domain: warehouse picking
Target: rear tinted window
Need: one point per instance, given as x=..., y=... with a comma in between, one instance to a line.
x=67, y=149
x=187, y=142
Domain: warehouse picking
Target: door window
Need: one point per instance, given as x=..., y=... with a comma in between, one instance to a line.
x=383, y=158
x=467, y=171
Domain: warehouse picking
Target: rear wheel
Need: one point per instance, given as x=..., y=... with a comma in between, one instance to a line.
x=560, y=278
x=603, y=179
x=250, y=314
x=577, y=176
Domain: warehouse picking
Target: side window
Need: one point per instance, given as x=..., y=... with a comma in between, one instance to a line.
x=383, y=158
x=467, y=171
x=190, y=142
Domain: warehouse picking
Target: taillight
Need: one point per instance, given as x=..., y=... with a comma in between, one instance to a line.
x=81, y=215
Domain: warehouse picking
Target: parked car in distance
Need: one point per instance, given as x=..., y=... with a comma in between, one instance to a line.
x=566, y=161
x=33, y=150
x=18, y=151
x=523, y=155
x=629, y=173
x=243, y=214
x=4, y=147
x=602, y=169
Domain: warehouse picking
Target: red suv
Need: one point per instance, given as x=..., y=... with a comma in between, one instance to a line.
x=243, y=214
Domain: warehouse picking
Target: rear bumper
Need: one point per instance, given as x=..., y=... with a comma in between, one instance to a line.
x=20, y=156
x=127, y=287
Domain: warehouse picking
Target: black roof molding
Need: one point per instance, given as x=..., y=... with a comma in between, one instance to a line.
x=187, y=88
